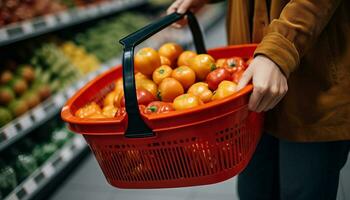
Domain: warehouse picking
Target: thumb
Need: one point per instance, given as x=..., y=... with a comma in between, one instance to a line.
x=246, y=77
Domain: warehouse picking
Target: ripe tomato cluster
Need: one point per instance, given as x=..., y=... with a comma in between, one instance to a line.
x=172, y=79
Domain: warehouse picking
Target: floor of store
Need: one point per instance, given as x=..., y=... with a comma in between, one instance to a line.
x=87, y=181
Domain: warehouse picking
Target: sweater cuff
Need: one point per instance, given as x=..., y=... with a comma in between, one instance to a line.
x=280, y=50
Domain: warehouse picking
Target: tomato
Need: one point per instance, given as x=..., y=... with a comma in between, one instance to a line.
x=109, y=99
x=184, y=75
x=119, y=85
x=169, y=89
x=186, y=101
x=139, y=76
x=201, y=90
x=158, y=107
x=237, y=76
x=148, y=85
x=215, y=77
x=170, y=51
x=161, y=73
x=231, y=64
x=185, y=58
x=117, y=99
x=144, y=97
x=120, y=112
x=146, y=60
x=202, y=65
x=164, y=61
x=109, y=111
x=91, y=109
x=225, y=89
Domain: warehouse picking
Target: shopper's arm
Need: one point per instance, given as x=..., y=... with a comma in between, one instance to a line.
x=294, y=32
x=287, y=40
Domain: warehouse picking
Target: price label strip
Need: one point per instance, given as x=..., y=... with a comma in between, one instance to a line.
x=39, y=113
x=66, y=154
x=30, y=186
x=25, y=122
x=10, y=131
x=48, y=170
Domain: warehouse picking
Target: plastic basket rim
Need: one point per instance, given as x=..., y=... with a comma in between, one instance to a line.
x=69, y=116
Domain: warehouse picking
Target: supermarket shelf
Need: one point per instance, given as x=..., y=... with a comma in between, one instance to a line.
x=44, y=24
x=49, y=170
x=24, y=124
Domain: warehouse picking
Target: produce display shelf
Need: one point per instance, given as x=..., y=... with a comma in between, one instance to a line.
x=49, y=170
x=23, y=125
x=40, y=25
x=37, y=116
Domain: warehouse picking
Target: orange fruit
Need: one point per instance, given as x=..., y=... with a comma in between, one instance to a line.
x=164, y=61
x=161, y=73
x=184, y=75
x=148, y=85
x=201, y=90
x=225, y=89
x=109, y=99
x=146, y=60
x=119, y=85
x=186, y=101
x=91, y=110
x=109, y=111
x=170, y=51
x=202, y=65
x=185, y=58
x=169, y=89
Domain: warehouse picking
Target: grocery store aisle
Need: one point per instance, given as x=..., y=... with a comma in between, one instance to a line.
x=88, y=182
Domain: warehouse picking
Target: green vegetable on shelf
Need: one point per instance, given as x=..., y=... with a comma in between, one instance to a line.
x=24, y=166
x=59, y=137
x=43, y=152
x=7, y=179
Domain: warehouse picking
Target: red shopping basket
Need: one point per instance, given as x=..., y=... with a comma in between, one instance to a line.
x=202, y=145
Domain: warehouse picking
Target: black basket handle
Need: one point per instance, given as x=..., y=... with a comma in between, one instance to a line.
x=136, y=126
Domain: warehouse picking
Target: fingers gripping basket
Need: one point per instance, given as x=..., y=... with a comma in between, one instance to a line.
x=203, y=145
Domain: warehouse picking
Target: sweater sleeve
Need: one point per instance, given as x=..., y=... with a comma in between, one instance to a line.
x=291, y=35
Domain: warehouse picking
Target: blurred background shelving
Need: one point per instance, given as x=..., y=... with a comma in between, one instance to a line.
x=50, y=49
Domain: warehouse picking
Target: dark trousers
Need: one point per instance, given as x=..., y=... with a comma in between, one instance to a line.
x=282, y=170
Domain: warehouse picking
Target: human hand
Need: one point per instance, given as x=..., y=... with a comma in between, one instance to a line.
x=270, y=84
x=181, y=6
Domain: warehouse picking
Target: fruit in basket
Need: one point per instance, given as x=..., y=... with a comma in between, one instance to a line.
x=19, y=85
x=18, y=107
x=169, y=89
x=164, y=61
x=186, y=101
x=231, y=64
x=201, y=90
x=26, y=72
x=109, y=111
x=202, y=65
x=185, y=58
x=185, y=75
x=5, y=116
x=32, y=99
x=161, y=73
x=225, y=89
x=6, y=76
x=148, y=85
x=171, y=51
x=91, y=110
x=157, y=107
x=215, y=77
x=119, y=87
x=144, y=97
x=237, y=75
x=146, y=60
x=118, y=98
x=6, y=95
x=109, y=99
